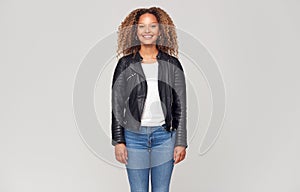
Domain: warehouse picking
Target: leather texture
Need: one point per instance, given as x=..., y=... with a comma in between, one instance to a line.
x=129, y=91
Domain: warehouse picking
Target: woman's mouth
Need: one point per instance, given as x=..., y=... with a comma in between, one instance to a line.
x=147, y=36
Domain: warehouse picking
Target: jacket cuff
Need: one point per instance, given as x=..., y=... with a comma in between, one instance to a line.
x=186, y=146
x=114, y=143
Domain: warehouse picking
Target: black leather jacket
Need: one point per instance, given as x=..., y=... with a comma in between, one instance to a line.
x=129, y=90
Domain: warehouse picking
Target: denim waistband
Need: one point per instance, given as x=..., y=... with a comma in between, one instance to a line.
x=148, y=129
x=153, y=127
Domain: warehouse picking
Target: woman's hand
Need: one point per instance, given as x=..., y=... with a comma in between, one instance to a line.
x=179, y=153
x=121, y=153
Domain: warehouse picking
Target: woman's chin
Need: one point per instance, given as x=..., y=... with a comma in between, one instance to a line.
x=147, y=43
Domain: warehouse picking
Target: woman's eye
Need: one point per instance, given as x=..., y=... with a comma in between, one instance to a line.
x=153, y=26
x=141, y=26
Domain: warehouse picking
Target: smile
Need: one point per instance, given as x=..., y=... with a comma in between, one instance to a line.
x=147, y=36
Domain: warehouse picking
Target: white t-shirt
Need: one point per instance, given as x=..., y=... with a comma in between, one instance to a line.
x=153, y=114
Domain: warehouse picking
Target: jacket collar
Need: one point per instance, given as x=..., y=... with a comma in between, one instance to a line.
x=138, y=57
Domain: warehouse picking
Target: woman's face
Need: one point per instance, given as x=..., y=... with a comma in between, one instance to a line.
x=148, y=29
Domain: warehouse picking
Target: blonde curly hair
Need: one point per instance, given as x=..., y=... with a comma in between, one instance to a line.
x=127, y=42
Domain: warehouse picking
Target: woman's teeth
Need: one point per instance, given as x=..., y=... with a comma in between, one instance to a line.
x=148, y=36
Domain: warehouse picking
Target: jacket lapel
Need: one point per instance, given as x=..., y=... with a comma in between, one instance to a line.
x=136, y=65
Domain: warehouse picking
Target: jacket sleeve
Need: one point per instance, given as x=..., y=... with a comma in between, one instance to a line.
x=179, y=105
x=117, y=102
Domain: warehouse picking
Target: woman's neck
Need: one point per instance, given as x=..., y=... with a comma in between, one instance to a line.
x=149, y=53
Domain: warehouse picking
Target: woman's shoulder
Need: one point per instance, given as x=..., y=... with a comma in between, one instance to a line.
x=124, y=61
x=125, y=57
x=172, y=59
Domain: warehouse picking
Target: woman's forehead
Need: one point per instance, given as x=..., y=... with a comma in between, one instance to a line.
x=149, y=17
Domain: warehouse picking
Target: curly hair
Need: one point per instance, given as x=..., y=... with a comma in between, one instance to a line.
x=127, y=42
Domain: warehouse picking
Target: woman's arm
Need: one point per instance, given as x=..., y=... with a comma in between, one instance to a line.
x=179, y=105
x=117, y=101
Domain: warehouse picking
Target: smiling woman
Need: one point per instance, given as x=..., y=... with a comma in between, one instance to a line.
x=148, y=100
x=148, y=30
x=129, y=37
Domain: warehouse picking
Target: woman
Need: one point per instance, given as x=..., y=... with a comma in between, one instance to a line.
x=148, y=100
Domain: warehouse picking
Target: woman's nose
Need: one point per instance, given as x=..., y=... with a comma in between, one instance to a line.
x=147, y=28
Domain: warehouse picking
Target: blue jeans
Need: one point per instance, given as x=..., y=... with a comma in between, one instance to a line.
x=150, y=152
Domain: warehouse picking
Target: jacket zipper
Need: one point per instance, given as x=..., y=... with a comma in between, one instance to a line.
x=124, y=111
x=143, y=103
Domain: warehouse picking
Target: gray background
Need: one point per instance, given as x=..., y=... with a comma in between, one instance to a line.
x=255, y=43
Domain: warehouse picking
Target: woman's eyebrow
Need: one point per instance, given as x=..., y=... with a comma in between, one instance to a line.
x=150, y=23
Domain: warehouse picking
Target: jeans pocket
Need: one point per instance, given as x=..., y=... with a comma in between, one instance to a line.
x=163, y=128
x=171, y=133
